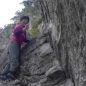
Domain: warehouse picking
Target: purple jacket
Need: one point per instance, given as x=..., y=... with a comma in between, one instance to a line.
x=18, y=34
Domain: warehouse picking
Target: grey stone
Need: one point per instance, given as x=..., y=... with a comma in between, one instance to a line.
x=45, y=49
x=64, y=26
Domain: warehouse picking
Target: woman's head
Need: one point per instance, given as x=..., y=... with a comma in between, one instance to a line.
x=24, y=19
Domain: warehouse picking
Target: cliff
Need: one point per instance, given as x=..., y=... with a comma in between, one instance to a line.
x=57, y=56
x=40, y=66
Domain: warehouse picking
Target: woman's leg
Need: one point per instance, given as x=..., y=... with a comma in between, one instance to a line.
x=14, y=56
x=12, y=62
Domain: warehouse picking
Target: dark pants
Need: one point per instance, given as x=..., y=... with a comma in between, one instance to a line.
x=13, y=61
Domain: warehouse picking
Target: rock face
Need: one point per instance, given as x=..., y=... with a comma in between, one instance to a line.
x=40, y=67
x=65, y=21
x=57, y=57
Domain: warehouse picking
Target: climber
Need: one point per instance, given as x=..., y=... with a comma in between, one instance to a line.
x=17, y=38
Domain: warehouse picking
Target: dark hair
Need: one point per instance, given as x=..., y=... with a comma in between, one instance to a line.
x=24, y=17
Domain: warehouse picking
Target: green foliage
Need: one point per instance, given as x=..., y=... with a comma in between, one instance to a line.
x=34, y=30
x=30, y=9
x=7, y=30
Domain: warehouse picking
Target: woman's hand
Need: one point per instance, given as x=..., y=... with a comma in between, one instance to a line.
x=26, y=27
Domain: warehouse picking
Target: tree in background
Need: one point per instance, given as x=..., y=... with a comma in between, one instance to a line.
x=31, y=9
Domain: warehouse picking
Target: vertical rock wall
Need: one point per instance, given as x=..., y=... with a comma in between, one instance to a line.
x=66, y=23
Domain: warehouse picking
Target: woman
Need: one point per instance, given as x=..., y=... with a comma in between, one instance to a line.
x=17, y=38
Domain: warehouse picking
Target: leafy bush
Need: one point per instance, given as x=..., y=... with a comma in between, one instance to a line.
x=6, y=31
x=34, y=30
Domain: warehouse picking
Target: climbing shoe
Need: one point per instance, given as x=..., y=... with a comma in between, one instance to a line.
x=3, y=77
x=8, y=76
x=11, y=76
